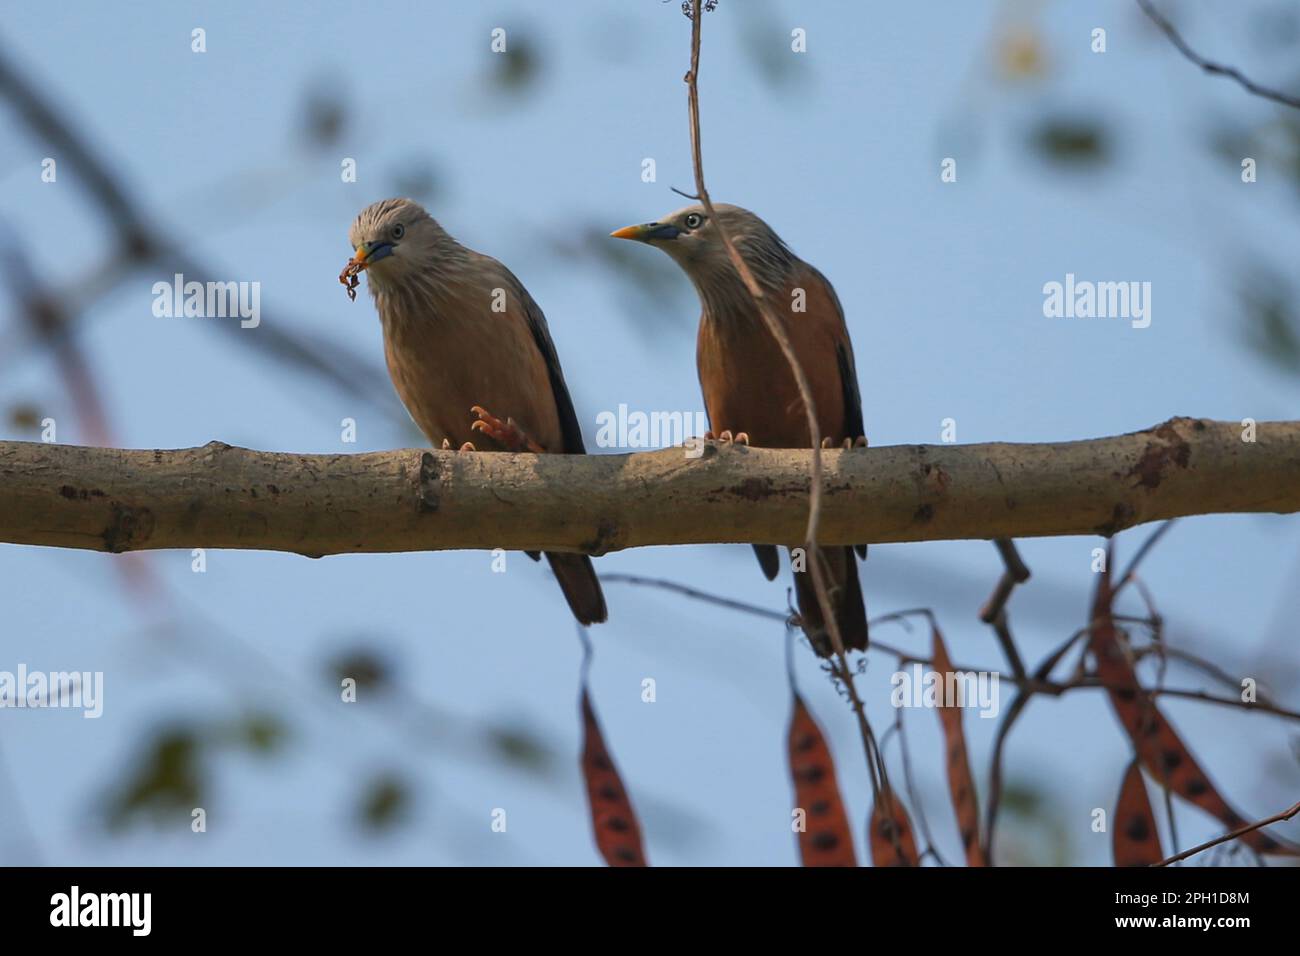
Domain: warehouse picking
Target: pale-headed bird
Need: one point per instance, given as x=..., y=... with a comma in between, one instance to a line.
x=749, y=390
x=464, y=343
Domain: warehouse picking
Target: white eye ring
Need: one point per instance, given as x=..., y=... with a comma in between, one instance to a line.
x=693, y=221
x=399, y=231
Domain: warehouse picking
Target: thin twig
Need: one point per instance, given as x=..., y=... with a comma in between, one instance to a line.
x=1002, y=629
x=1037, y=684
x=1240, y=831
x=1131, y=571
x=694, y=593
x=841, y=668
x=1209, y=66
x=910, y=784
x=1013, y=713
x=994, y=612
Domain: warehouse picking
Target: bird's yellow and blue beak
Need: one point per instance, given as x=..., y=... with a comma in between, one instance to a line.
x=368, y=253
x=647, y=232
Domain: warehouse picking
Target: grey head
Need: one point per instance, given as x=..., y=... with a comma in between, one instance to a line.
x=398, y=244
x=694, y=242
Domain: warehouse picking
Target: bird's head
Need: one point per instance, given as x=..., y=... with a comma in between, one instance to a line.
x=394, y=239
x=692, y=237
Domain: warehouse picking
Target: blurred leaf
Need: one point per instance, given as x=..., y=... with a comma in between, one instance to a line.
x=1232, y=142
x=25, y=417
x=521, y=747
x=1071, y=141
x=164, y=782
x=1275, y=28
x=1274, y=145
x=1270, y=322
x=1021, y=54
x=1022, y=799
x=261, y=733
x=518, y=66
x=766, y=42
x=384, y=803
x=417, y=179
x=363, y=666
x=324, y=114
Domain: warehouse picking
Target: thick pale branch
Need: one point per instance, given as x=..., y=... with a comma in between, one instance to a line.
x=218, y=496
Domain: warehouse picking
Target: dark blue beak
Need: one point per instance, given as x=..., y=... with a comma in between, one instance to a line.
x=368, y=253
x=648, y=232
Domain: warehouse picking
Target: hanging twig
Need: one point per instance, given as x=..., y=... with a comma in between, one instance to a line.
x=1209, y=66
x=840, y=666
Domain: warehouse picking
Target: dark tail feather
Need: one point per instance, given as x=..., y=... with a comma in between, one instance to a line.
x=846, y=599
x=580, y=585
x=768, y=560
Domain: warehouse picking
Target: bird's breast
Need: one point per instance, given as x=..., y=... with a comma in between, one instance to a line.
x=464, y=355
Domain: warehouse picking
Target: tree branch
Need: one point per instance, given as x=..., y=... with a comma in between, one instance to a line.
x=1240, y=831
x=217, y=496
x=1209, y=66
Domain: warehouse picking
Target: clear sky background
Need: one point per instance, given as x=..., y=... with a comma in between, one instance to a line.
x=533, y=159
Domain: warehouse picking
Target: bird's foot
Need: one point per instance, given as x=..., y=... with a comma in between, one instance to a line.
x=847, y=444
x=727, y=438
x=509, y=435
x=468, y=446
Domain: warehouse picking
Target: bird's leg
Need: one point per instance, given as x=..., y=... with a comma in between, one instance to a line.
x=507, y=433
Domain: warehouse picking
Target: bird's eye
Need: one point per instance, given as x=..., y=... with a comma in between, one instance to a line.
x=399, y=231
x=693, y=221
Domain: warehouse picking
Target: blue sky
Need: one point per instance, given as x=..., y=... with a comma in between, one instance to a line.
x=839, y=149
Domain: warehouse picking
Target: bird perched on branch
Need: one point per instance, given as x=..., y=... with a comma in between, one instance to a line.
x=465, y=342
x=750, y=393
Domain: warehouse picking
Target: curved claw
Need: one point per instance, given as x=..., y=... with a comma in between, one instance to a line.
x=728, y=437
x=507, y=433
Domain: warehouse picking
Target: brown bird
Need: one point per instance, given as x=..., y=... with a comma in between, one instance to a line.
x=462, y=336
x=749, y=391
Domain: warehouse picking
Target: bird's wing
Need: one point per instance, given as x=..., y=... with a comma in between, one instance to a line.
x=853, y=423
x=570, y=431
